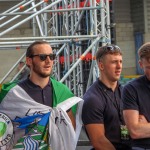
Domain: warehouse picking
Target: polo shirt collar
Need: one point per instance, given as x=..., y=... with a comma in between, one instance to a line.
x=107, y=88
x=33, y=85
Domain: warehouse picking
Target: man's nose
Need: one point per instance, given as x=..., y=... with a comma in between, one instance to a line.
x=47, y=58
x=119, y=65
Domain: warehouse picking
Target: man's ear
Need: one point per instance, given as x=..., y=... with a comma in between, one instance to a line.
x=28, y=61
x=140, y=64
x=101, y=65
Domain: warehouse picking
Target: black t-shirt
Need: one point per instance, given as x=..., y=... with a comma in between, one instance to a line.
x=136, y=96
x=43, y=96
x=103, y=106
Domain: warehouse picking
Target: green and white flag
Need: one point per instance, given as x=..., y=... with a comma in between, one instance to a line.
x=26, y=124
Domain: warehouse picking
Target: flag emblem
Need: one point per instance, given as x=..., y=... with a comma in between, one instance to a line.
x=6, y=129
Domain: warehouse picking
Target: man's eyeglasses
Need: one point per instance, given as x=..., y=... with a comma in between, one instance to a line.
x=113, y=47
x=110, y=48
x=43, y=57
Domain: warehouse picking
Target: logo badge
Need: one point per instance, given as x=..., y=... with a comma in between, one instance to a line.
x=6, y=129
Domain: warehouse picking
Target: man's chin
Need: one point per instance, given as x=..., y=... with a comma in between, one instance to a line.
x=45, y=75
x=116, y=79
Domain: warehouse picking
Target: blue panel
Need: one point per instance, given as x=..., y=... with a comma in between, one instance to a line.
x=138, y=43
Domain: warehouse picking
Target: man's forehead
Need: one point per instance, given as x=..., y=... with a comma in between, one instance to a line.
x=42, y=47
x=113, y=55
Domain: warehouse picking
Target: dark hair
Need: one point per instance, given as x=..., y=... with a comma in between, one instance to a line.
x=108, y=49
x=30, y=49
x=144, y=51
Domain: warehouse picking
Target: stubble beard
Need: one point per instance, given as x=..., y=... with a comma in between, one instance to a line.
x=38, y=71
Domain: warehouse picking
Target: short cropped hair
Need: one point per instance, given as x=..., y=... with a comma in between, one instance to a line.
x=108, y=49
x=30, y=49
x=144, y=51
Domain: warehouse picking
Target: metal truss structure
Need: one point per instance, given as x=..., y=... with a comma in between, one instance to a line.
x=74, y=28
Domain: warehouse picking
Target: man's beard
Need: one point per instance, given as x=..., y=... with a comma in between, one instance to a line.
x=37, y=70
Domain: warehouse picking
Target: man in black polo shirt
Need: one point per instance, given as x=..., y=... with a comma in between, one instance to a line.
x=29, y=105
x=102, y=109
x=136, y=99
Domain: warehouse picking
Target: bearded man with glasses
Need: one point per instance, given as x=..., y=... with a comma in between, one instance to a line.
x=102, y=109
x=30, y=104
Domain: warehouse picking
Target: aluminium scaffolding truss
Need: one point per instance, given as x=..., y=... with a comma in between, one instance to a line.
x=74, y=28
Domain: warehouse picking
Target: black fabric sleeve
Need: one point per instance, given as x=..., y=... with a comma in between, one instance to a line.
x=93, y=109
x=130, y=97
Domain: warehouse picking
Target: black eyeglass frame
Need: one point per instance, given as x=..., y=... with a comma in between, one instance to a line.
x=43, y=57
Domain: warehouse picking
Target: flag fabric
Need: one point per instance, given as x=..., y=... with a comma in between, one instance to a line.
x=36, y=126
